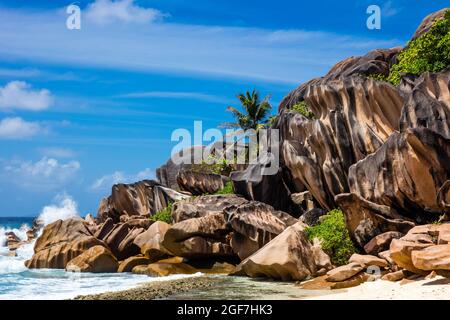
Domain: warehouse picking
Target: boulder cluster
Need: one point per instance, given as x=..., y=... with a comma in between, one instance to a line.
x=380, y=153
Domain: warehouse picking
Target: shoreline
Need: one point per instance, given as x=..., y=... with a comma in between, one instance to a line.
x=206, y=287
x=153, y=290
x=210, y=287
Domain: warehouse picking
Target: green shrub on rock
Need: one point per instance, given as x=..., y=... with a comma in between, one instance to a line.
x=164, y=215
x=334, y=236
x=377, y=77
x=227, y=189
x=303, y=109
x=430, y=52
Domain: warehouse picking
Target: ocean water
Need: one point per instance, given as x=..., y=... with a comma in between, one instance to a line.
x=18, y=282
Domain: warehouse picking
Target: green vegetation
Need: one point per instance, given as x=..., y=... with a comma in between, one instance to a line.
x=255, y=115
x=164, y=215
x=227, y=189
x=334, y=236
x=272, y=121
x=303, y=109
x=378, y=77
x=430, y=52
x=215, y=165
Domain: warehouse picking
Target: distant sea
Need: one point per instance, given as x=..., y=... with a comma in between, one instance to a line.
x=15, y=222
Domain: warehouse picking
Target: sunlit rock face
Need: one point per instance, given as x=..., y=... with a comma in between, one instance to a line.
x=354, y=116
x=381, y=153
x=140, y=199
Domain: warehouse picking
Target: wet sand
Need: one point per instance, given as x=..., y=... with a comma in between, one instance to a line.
x=211, y=288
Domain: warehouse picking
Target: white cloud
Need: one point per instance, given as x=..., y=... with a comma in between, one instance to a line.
x=109, y=11
x=280, y=56
x=43, y=175
x=20, y=95
x=57, y=152
x=17, y=128
x=175, y=95
x=107, y=181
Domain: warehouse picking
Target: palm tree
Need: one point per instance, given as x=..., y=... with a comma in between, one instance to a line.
x=255, y=114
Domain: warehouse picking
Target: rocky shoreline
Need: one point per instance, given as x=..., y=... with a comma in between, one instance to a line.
x=375, y=154
x=155, y=290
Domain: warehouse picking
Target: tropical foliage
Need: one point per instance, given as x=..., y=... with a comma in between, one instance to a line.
x=255, y=112
x=164, y=215
x=334, y=236
x=430, y=52
x=303, y=109
x=227, y=189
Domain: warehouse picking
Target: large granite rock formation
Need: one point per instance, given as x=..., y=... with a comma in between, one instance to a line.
x=97, y=259
x=197, y=207
x=60, y=242
x=424, y=249
x=287, y=257
x=354, y=117
x=200, y=183
x=140, y=199
x=271, y=189
x=381, y=153
x=199, y=238
x=150, y=241
x=255, y=224
x=406, y=174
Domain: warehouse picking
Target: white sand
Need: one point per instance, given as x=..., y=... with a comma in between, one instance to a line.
x=434, y=289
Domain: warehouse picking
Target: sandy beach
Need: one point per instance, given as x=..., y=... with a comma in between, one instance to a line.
x=434, y=289
x=222, y=287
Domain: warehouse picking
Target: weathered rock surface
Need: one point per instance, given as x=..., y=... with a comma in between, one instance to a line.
x=252, y=184
x=322, y=283
x=60, y=242
x=167, y=173
x=200, y=183
x=97, y=259
x=354, y=117
x=287, y=257
x=427, y=103
x=150, y=241
x=344, y=272
x=365, y=220
x=422, y=243
x=418, y=162
x=432, y=258
x=121, y=240
x=255, y=224
x=401, y=250
x=394, y=276
x=381, y=242
x=165, y=268
x=311, y=217
x=197, y=207
x=12, y=240
x=368, y=260
x=203, y=237
x=128, y=264
x=444, y=197
x=143, y=198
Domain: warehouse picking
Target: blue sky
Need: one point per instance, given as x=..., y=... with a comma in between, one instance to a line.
x=82, y=109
